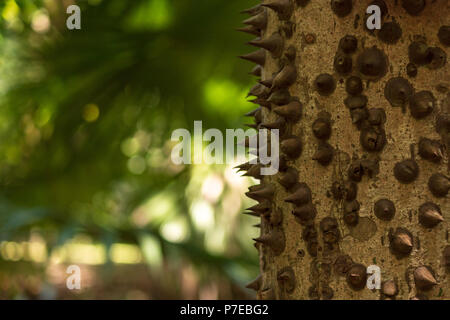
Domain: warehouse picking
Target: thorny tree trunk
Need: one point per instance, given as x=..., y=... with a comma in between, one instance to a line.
x=383, y=198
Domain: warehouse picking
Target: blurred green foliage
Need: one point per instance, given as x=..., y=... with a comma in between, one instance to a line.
x=86, y=118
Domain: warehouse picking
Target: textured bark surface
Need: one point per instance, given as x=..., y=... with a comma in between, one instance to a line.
x=297, y=272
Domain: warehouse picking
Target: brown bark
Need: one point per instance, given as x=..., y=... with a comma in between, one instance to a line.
x=291, y=270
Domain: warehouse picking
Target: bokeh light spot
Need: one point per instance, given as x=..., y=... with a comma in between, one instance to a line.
x=91, y=112
x=137, y=165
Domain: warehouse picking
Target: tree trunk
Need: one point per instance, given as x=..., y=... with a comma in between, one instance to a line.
x=378, y=181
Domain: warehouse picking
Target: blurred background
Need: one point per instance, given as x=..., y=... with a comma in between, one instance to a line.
x=86, y=118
